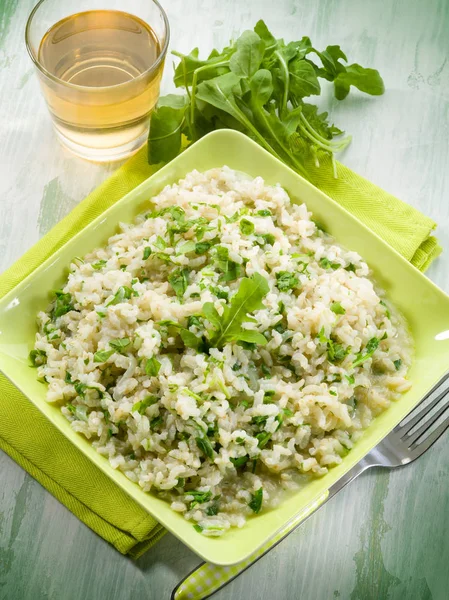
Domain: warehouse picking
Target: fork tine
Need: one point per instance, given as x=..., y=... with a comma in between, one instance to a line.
x=414, y=437
x=419, y=449
x=423, y=410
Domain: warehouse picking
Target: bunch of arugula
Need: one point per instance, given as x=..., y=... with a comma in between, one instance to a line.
x=257, y=85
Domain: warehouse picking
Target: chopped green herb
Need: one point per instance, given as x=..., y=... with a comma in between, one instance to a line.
x=351, y=379
x=147, y=252
x=264, y=213
x=152, y=367
x=212, y=510
x=154, y=423
x=325, y=263
x=337, y=308
x=185, y=248
x=123, y=293
x=263, y=438
x=371, y=347
x=141, y=406
x=239, y=462
x=198, y=528
x=202, y=247
x=38, y=358
x=332, y=393
x=99, y=264
x=198, y=497
x=387, y=312
x=160, y=243
x=255, y=503
x=397, y=364
x=101, y=314
x=286, y=281
x=268, y=238
x=259, y=420
x=102, y=355
x=350, y=268
x=288, y=413
x=63, y=304
x=120, y=345
x=246, y=227
x=266, y=371
x=178, y=279
x=205, y=446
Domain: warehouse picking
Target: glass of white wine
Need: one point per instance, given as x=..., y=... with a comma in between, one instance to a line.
x=100, y=71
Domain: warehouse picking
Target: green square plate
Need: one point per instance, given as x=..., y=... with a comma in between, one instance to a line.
x=425, y=306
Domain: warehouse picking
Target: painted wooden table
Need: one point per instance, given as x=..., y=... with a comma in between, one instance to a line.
x=387, y=535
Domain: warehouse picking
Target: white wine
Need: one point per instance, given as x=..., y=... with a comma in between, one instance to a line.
x=105, y=87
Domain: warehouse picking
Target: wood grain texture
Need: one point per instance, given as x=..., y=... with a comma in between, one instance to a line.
x=387, y=535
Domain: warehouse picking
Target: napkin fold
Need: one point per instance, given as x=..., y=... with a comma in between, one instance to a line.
x=38, y=447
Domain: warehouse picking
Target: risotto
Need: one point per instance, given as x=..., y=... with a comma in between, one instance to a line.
x=222, y=349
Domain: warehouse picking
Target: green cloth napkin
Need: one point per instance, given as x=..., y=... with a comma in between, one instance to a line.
x=37, y=446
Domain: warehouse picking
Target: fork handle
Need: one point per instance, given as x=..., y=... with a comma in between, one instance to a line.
x=206, y=579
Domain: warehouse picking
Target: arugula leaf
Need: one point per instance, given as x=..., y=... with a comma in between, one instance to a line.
x=255, y=503
x=248, y=55
x=164, y=142
x=303, y=79
x=244, y=85
x=366, y=80
x=228, y=327
x=152, y=367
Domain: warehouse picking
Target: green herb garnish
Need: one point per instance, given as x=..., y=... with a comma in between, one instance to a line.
x=337, y=308
x=141, y=406
x=371, y=347
x=259, y=85
x=286, y=281
x=255, y=503
x=228, y=327
x=246, y=227
x=38, y=358
x=152, y=367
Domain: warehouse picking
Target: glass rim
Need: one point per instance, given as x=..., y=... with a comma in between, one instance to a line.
x=91, y=89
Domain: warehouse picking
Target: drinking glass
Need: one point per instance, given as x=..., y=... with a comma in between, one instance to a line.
x=100, y=69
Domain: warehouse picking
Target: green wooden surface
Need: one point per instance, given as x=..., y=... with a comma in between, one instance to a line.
x=387, y=535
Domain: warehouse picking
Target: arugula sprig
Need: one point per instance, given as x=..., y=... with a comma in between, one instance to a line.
x=228, y=326
x=258, y=85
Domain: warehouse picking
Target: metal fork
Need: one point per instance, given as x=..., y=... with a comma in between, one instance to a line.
x=404, y=444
